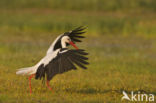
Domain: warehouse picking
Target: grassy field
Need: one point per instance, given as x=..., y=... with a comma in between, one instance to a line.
x=120, y=39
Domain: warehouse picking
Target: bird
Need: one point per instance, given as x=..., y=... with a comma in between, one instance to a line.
x=59, y=58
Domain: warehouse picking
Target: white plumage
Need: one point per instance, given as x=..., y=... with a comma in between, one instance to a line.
x=45, y=60
x=51, y=48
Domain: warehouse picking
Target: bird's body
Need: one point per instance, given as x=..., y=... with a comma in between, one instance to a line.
x=58, y=58
x=32, y=70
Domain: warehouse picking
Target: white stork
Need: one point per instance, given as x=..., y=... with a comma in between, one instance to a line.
x=58, y=59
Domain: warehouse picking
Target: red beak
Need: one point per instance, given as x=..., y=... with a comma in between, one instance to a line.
x=71, y=43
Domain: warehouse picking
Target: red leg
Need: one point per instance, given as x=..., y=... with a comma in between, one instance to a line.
x=48, y=85
x=30, y=77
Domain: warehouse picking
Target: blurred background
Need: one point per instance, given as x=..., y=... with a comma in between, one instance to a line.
x=120, y=38
x=103, y=17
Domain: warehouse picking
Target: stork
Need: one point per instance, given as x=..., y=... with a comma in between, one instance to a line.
x=59, y=58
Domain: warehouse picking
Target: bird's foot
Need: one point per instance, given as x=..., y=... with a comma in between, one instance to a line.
x=30, y=77
x=49, y=86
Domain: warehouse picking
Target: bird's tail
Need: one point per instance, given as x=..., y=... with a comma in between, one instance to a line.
x=26, y=71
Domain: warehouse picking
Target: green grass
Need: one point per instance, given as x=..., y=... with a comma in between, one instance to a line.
x=116, y=64
x=120, y=39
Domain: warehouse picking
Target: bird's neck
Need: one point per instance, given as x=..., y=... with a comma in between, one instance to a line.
x=63, y=44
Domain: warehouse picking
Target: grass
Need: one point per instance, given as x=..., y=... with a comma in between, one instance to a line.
x=120, y=40
x=116, y=64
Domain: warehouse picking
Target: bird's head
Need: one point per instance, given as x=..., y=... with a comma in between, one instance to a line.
x=66, y=39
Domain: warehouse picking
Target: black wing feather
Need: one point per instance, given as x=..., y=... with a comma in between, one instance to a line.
x=63, y=62
x=75, y=34
x=76, y=40
x=78, y=63
x=79, y=36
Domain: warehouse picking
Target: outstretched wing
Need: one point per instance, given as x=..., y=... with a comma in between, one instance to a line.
x=76, y=34
x=55, y=45
x=65, y=60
